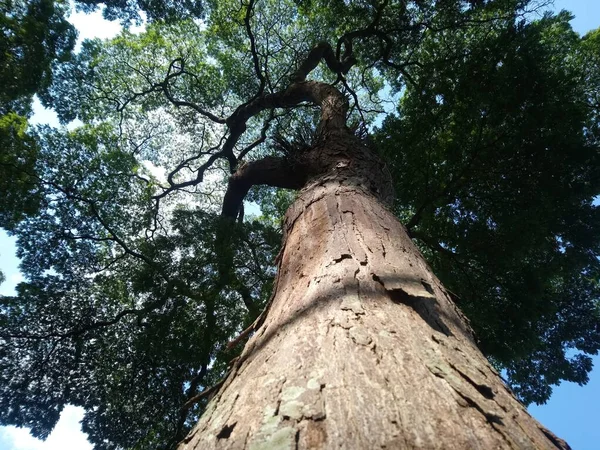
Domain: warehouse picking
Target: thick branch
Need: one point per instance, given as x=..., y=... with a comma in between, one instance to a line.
x=332, y=102
x=271, y=171
x=333, y=107
x=322, y=51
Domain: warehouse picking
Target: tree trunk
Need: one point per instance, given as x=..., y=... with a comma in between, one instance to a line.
x=361, y=348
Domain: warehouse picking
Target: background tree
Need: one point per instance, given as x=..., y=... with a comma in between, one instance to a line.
x=35, y=36
x=133, y=292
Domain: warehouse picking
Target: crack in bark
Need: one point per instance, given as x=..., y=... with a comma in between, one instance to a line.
x=281, y=382
x=503, y=435
x=294, y=213
x=424, y=306
x=361, y=240
x=428, y=287
x=555, y=439
x=342, y=257
x=226, y=431
x=483, y=389
x=490, y=417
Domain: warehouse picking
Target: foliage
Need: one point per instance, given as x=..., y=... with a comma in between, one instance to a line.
x=135, y=284
x=17, y=180
x=35, y=35
x=123, y=335
x=128, y=11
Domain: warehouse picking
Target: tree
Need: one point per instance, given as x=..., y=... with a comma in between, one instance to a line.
x=138, y=10
x=35, y=35
x=145, y=276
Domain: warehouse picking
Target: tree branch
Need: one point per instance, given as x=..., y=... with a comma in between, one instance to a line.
x=199, y=177
x=165, y=88
x=261, y=139
x=272, y=171
x=322, y=51
x=255, y=60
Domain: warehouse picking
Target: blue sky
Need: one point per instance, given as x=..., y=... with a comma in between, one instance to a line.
x=573, y=412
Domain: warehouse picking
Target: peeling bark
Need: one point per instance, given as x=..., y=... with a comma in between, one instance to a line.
x=361, y=347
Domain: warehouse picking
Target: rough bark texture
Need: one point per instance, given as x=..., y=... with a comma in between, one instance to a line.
x=362, y=348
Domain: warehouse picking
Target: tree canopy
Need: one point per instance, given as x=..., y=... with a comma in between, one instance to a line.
x=142, y=266
x=35, y=35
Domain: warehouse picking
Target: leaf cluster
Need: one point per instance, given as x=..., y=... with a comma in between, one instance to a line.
x=35, y=36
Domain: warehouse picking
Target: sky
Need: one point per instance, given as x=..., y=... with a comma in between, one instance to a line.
x=572, y=413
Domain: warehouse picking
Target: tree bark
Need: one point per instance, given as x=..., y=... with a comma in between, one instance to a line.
x=362, y=347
